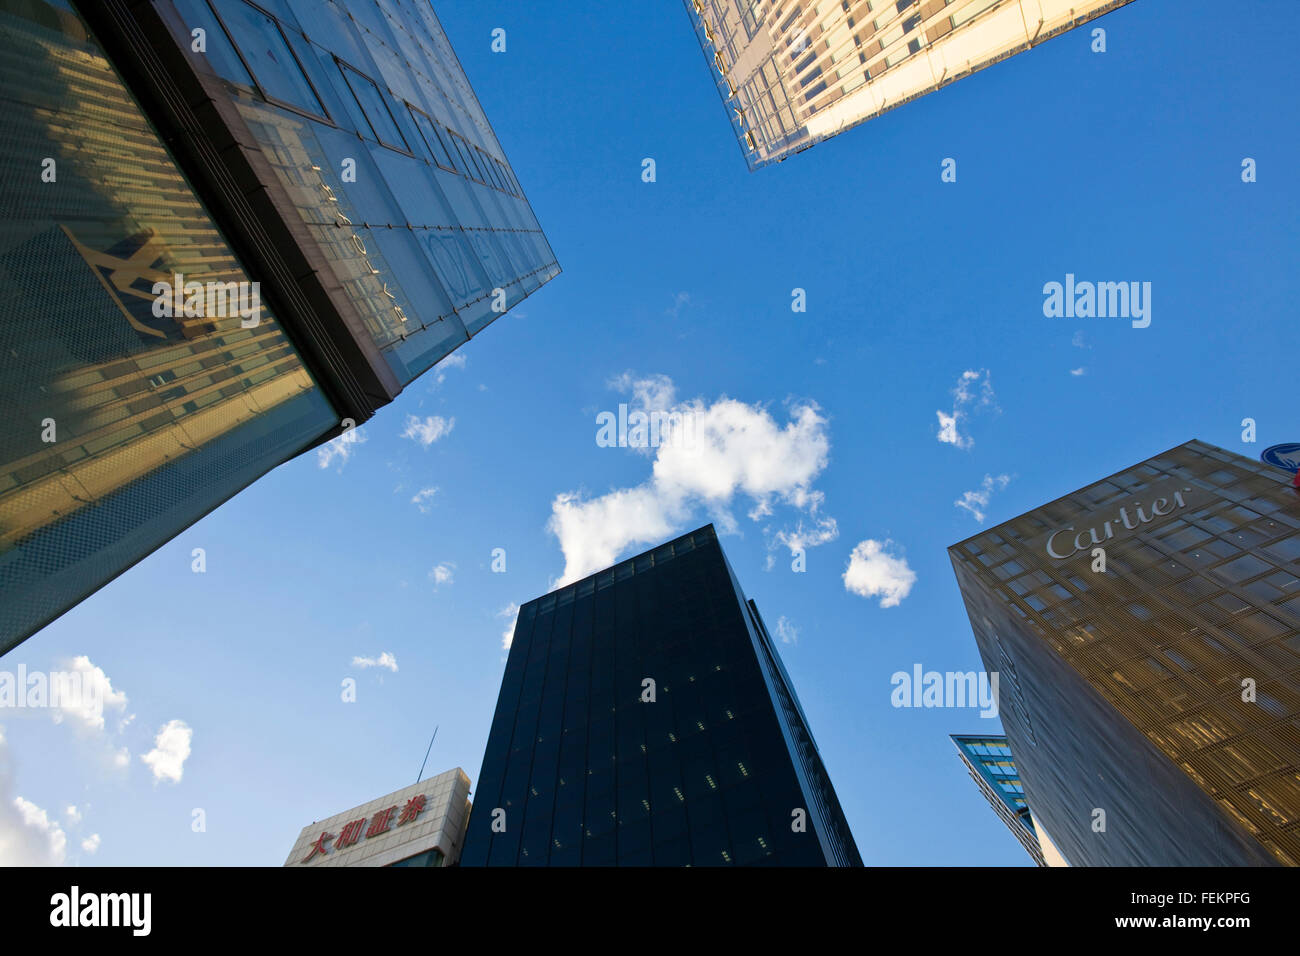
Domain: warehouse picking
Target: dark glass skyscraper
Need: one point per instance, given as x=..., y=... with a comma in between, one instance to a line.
x=645, y=719
x=1147, y=633
x=228, y=232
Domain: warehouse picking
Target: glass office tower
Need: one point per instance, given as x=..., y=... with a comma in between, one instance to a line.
x=989, y=762
x=792, y=73
x=645, y=719
x=221, y=243
x=1147, y=633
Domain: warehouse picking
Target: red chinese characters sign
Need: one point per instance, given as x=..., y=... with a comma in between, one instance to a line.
x=356, y=830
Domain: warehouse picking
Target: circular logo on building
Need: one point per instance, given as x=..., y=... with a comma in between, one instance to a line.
x=1286, y=457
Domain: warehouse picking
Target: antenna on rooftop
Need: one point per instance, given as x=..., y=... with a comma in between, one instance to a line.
x=420, y=775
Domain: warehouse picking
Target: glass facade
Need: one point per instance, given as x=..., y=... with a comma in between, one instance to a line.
x=1147, y=633
x=991, y=766
x=793, y=72
x=370, y=128
x=645, y=720
x=121, y=426
x=334, y=215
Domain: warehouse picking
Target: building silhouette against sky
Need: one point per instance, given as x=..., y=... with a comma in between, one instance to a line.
x=1147, y=633
x=989, y=762
x=223, y=243
x=792, y=73
x=645, y=719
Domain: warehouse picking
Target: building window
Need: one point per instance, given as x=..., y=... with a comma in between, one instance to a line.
x=266, y=53
x=373, y=108
x=429, y=132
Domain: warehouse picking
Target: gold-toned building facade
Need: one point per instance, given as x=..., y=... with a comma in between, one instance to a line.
x=1146, y=630
x=794, y=72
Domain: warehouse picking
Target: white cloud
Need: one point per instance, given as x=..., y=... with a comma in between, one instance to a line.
x=85, y=692
x=510, y=614
x=787, y=632
x=973, y=392
x=423, y=498
x=91, y=843
x=28, y=837
x=1078, y=371
x=874, y=572
x=734, y=449
x=1078, y=341
x=454, y=360
x=976, y=501
x=340, y=449
x=441, y=574
x=171, y=748
x=428, y=430
x=385, y=659
x=822, y=531
x=73, y=814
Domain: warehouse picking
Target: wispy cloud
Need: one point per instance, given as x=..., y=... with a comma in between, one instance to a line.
x=976, y=501
x=384, y=660
x=680, y=300
x=423, y=499
x=340, y=449
x=786, y=631
x=973, y=392
x=1076, y=372
x=428, y=430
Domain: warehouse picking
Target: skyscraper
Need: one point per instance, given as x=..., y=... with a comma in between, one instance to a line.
x=645, y=718
x=1147, y=633
x=228, y=233
x=989, y=762
x=792, y=73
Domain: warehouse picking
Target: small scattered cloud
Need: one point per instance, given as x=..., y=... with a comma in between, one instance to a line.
x=428, y=430
x=441, y=574
x=976, y=501
x=972, y=393
x=680, y=300
x=384, y=660
x=786, y=631
x=73, y=814
x=91, y=843
x=509, y=614
x=456, y=359
x=1076, y=372
x=874, y=572
x=171, y=748
x=423, y=499
x=340, y=449
x=1078, y=341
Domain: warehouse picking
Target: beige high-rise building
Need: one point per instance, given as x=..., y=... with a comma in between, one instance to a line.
x=793, y=72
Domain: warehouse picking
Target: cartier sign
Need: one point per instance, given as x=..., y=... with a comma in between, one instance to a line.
x=1069, y=541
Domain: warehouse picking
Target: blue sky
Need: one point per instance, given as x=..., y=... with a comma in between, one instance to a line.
x=1116, y=166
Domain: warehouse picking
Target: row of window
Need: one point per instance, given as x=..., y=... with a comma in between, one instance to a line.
x=262, y=55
